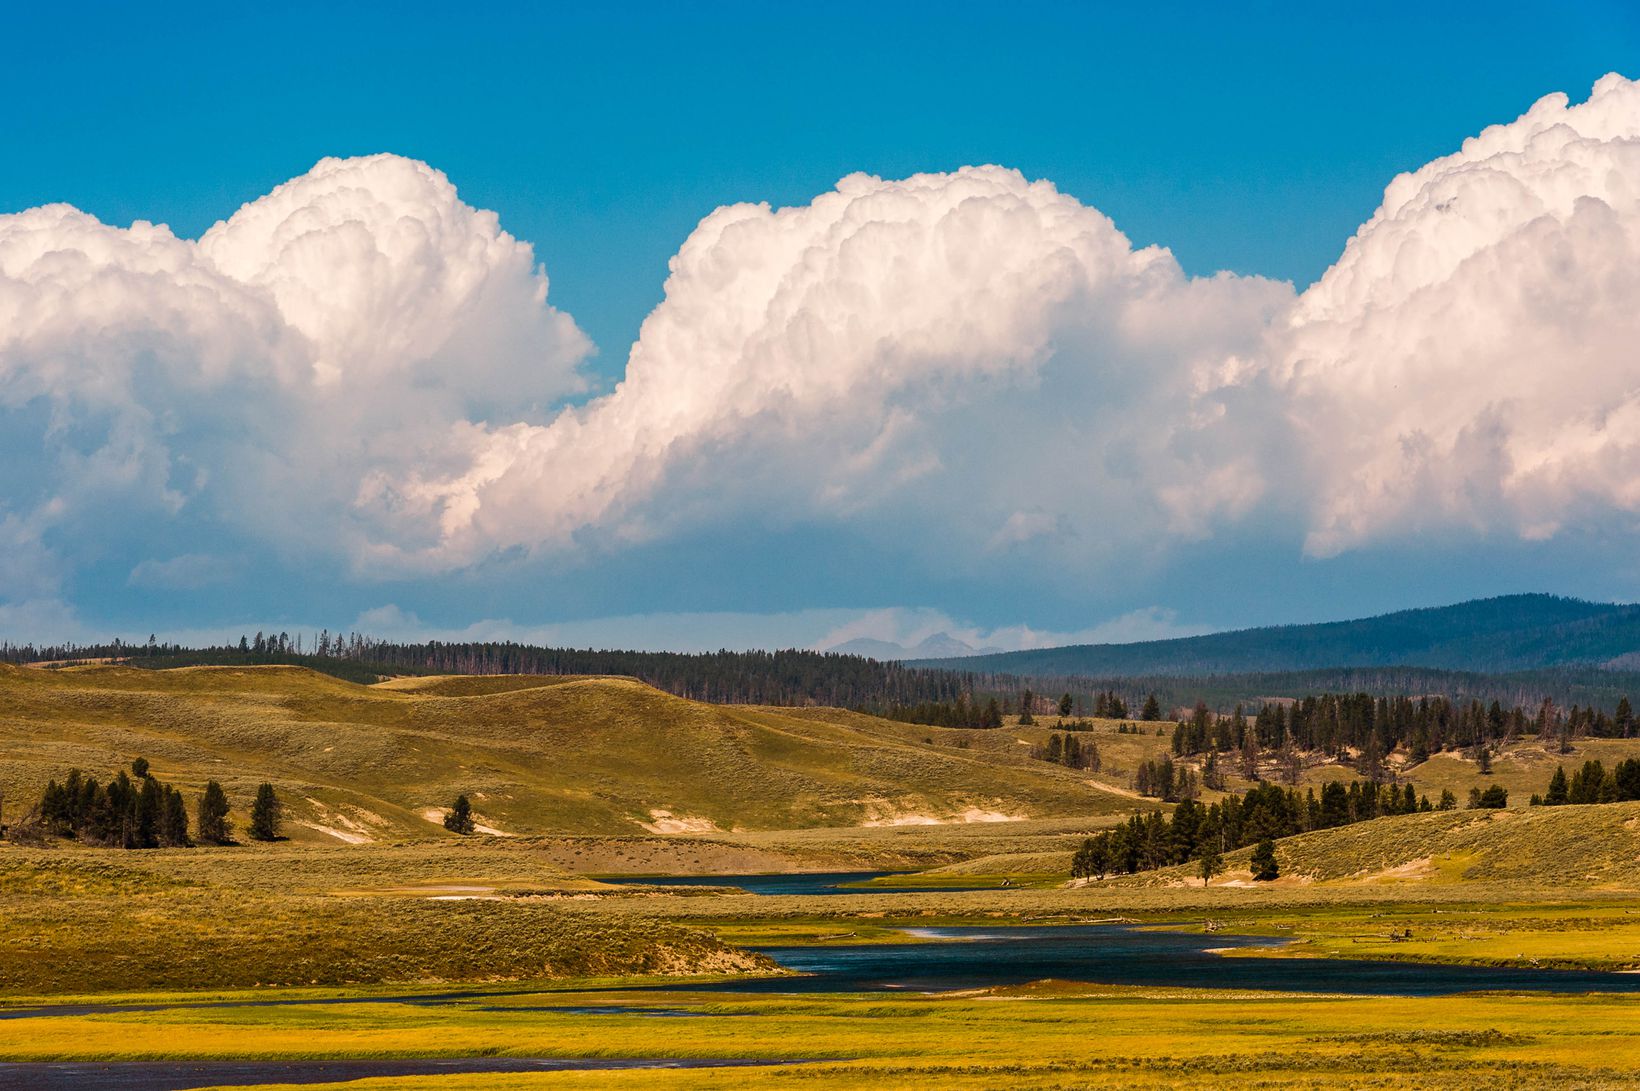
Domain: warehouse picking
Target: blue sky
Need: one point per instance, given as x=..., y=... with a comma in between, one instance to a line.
x=1255, y=139
x=602, y=133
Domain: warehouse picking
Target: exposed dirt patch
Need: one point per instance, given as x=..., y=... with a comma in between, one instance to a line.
x=667, y=822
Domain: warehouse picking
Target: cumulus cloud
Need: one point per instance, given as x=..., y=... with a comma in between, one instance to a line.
x=1472, y=362
x=970, y=372
x=337, y=328
x=988, y=361
x=395, y=283
x=971, y=353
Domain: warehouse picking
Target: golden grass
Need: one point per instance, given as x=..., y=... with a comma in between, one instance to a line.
x=535, y=755
x=1049, y=1036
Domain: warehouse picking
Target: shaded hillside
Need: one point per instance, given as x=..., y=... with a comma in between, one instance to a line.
x=545, y=755
x=1590, y=687
x=1513, y=633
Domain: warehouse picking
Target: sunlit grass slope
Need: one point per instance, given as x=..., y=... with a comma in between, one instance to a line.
x=1591, y=847
x=1594, y=845
x=536, y=755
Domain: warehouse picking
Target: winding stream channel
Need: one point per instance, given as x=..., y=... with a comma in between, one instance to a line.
x=939, y=959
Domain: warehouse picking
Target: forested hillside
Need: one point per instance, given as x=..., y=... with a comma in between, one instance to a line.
x=1517, y=650
x=1509, y=634
x=789, y=677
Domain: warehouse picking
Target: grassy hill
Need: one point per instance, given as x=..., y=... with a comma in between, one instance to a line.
x=1595, y=845
x=536, y=755
x=1507, y=634
x=1590, y=847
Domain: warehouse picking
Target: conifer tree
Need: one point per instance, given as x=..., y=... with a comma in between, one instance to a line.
x=1292, y=762
x=1212, y=775
x=1558, y=792
x=1152, y=710
x=1026, y=699
x=213, y=825
x=149, y=807
x=1264, y=861
x=174, y=824
x=1210, y=864
x=460, y=818
x=265, y=814
x=1250, y=755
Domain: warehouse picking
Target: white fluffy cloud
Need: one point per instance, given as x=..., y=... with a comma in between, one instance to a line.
x=971, y=370
x=395, y=283
x=1472, y=362
x=989, y=361
x=973, y=354
x=337, y=328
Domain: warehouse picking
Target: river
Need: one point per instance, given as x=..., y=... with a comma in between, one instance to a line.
x=939, y=959
x=801, y=884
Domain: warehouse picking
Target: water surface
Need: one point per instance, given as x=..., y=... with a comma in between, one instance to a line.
x=182, y=1075
x=799, y=883
x=974, y=958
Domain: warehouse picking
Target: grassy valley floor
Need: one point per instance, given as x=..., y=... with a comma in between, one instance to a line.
x=373, y=933
x=1052, y=1035
x=488, y=917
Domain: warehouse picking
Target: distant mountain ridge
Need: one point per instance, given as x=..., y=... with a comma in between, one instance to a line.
x=940, y=646
x=1508, y=633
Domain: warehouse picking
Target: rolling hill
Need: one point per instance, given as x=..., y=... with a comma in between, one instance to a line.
x=1508, y=634
x=542, y=755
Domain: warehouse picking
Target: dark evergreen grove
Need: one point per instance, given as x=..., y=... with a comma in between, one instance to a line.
x=1371, y=728
x=127, y=812
x=1071, y=750
x=1593, y=783
x=1166, y=781
x=1266, y=812
x=798, y=677
x=958, y=713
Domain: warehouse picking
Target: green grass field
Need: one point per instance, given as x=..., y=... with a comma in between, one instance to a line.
x=1047, y=1036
